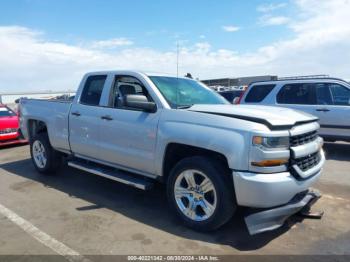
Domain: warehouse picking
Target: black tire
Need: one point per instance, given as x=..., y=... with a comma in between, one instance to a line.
x=223, y=184
x=53, y=157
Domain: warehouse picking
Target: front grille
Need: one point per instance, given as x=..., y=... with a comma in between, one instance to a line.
x=307, y=162
x=303, y=138
x=8, y=130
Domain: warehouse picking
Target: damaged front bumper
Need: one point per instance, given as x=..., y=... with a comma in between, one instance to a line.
x=269, y=219
x=274, y=197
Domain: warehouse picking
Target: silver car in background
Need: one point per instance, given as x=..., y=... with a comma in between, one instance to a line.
x=325, y=97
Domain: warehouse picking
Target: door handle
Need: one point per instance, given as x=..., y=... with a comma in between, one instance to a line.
x=108, y=118
x=322, y=109
x=76, y=113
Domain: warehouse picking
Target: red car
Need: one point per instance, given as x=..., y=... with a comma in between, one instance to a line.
x=9, y=127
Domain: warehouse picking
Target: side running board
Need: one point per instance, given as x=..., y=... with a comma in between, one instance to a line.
x=113, y=174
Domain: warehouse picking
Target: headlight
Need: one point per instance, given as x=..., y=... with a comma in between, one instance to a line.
x=271, y=142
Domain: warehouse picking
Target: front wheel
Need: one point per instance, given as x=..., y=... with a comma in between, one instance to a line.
x=45, y=159
x=201, y=192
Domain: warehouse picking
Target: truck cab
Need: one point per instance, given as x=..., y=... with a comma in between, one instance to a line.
x=141, y=128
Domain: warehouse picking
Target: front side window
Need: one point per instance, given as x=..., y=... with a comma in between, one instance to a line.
x=340, y=94
x=92, y=91
x=127, y=85
x=4, y=112
x=299, y=94
x=258, y=93
x=180, y=92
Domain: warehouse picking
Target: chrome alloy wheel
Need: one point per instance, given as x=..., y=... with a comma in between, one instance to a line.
x=39, y=154
x=195, y=195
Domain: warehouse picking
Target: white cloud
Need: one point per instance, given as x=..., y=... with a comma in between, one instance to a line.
x=230, y=28
x=112, y=43
x=318, y=43
x=203, y=46
x=268, y=20
x=265, y=8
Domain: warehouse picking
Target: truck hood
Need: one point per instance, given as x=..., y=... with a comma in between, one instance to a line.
x=273, y=117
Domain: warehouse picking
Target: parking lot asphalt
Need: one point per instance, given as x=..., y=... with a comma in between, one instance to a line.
x=93, y=215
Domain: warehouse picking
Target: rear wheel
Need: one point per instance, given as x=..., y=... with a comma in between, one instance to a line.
x=201, y=193
x=45, y=159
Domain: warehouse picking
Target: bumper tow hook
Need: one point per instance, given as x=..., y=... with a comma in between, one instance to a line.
x=311, y=215
x=306, y=211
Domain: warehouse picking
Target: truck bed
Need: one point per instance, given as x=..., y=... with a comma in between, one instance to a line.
x=54, y=112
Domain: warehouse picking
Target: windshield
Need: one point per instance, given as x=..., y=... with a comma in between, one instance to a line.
x=181, y=93
x=6, y=112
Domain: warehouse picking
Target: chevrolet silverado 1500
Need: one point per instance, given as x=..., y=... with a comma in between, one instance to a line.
x=139, y=128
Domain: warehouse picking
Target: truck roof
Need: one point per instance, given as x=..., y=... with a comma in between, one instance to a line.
x=133, y=71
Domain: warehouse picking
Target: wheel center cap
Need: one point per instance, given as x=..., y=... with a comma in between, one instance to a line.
x=197, y=194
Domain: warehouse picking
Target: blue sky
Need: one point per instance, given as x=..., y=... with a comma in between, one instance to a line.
x=155, y=24
x=49, y=45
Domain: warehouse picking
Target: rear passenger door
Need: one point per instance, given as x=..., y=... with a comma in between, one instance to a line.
x=299, y=96
x=84, y=119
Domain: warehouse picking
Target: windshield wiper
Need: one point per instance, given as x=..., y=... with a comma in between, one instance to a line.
x=184, y=107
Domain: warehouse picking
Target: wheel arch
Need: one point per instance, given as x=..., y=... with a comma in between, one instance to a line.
x=175, y=152
x=36, y=127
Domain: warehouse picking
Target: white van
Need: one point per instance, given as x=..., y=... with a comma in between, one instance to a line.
x=325, y=97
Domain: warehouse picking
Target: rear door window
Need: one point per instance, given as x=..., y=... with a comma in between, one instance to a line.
x=298, y=94
x=340, y=94
x=258, y=93
x=92, y=91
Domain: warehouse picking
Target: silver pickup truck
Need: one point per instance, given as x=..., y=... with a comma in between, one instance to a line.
x=139, y=128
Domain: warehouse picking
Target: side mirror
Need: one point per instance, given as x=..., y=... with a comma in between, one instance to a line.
x=140, y=102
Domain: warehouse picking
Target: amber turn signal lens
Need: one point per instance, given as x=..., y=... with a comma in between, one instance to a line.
x=269, y=163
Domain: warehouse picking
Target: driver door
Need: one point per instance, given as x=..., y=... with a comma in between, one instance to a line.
x=128, y=136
